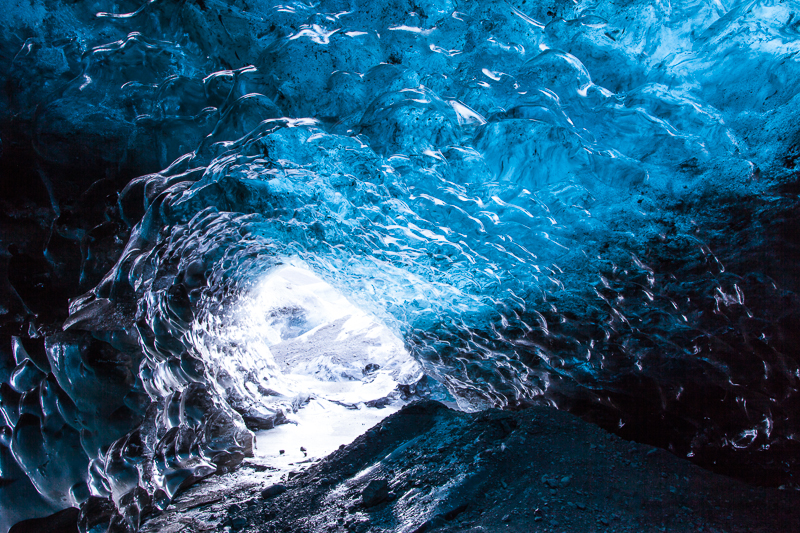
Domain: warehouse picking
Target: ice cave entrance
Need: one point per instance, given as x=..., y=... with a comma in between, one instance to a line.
x=340, y=365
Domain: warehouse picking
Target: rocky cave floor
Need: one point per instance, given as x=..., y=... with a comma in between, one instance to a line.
x=430, y=468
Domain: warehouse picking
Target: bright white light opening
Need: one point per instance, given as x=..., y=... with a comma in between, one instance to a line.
x=324, y=346
x=296, y=344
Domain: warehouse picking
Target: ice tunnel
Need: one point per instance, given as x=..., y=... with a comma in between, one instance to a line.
x=214, y=212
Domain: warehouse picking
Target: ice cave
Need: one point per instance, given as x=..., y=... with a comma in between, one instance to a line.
x=399, y=266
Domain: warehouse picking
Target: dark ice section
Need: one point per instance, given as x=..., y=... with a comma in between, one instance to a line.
x=587, y=205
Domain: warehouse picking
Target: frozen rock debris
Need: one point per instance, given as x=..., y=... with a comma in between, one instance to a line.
x=216, y=212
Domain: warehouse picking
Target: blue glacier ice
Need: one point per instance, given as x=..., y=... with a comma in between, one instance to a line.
x=591, y=205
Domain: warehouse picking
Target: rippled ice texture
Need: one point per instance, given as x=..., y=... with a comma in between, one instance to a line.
x=588, y=204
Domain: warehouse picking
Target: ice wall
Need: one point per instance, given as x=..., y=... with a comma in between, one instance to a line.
x=587, y=204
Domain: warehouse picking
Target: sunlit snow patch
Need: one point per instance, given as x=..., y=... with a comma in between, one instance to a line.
x=321, y=427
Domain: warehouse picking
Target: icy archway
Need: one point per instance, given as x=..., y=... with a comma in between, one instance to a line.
x=294, y=338
x=588, y=205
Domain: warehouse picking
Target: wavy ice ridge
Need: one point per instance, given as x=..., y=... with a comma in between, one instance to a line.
x=548, y=204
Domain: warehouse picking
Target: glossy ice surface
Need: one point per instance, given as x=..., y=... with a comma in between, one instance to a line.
x=584, y=204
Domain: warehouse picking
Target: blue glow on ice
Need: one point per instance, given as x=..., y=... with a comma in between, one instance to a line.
x=576, y=204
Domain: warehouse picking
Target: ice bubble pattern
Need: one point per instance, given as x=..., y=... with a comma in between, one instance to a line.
x=592, y=205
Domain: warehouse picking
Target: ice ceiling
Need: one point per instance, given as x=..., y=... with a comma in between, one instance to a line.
x=586, y=204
